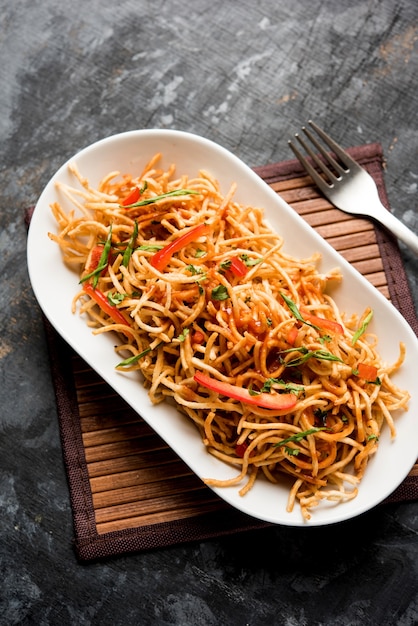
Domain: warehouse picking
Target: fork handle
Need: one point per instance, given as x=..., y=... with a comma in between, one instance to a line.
x=398, y=228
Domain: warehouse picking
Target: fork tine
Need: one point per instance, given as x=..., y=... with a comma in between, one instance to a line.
x=334, y=146
x=315, y=158
x=327, y=156
x=318, y=180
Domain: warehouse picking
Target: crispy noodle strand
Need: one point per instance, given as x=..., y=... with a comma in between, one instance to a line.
x=199, y=315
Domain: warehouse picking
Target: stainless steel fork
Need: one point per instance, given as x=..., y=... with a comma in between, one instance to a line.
x=346, y=184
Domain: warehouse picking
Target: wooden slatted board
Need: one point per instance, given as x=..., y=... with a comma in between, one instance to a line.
x=135, y=478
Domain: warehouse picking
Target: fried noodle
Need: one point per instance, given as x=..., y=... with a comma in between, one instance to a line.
x=227, y=303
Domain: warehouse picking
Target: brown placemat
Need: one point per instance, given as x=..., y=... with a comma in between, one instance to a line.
x=129, y=491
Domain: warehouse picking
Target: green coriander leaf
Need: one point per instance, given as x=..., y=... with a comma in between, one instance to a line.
x=292, y=451
x=298, y=436
x=378, y=381
x=362, y=328
x=250, y=262
x=325, y=339
x=253, y=392
x=130, y=247
x=293, y=308
x=103, y=261
x=150, y=247
x=196, y=271
x=169, y=194
x=309, y=354
x=225, y=265
x=200, y=253
x=116, y=297
x=302, y=349
x=266, y=388
x=136, y=357
x=183, y=335
x=295, y=311
x=133, y=359
x=220, y=293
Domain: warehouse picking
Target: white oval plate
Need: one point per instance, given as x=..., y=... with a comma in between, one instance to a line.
x=54, y=286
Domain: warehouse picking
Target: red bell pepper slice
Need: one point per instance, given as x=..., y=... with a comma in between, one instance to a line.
x=368, y=372
x=161, y=258
x=321, y=322
x=95, y=256
x=132, y=197
x=241, y=449
x=198, y=337
x=238, y=267
x=100, y=298
x=292, y=335
x=280, y=402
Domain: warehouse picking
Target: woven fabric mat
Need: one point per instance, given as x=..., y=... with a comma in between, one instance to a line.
x=129, y=491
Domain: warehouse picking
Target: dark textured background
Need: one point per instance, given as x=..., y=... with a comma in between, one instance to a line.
x=246, y=75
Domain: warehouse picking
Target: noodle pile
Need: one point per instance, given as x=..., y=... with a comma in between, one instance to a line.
x=243, y=337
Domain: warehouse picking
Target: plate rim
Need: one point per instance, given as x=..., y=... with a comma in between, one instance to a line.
x=178, y=135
